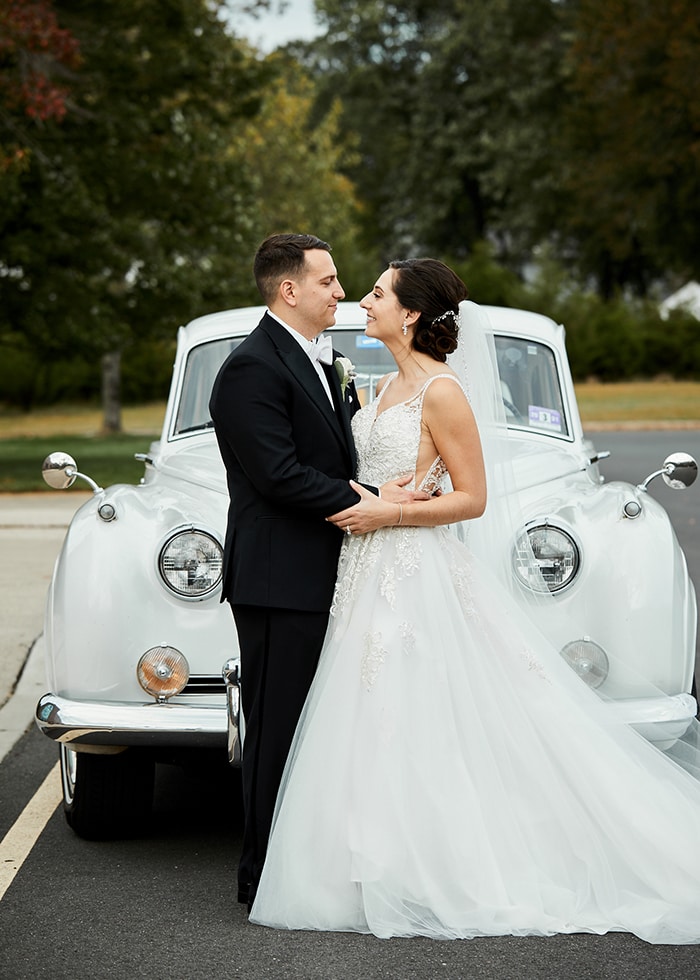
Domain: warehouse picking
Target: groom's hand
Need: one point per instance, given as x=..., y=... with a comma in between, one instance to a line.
x=372, y=512
x=394, y=491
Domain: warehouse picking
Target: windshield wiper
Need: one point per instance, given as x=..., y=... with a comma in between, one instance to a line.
x=196, y=428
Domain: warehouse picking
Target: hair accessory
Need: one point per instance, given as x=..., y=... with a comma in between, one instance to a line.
x=404, y=328
x=443, y=316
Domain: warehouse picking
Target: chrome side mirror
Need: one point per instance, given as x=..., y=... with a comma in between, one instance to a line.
x=679, y=471
x=59, y=470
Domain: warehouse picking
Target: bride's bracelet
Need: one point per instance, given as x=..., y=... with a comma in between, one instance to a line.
x=400, y=515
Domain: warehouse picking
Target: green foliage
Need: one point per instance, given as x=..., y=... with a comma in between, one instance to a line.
x=489, y=282
x=28, y=380
x=622, y=338
x=294, y=169
x=131, y=216
x=564, y=133
x=524, y=122
x=107, y=460
x=630, y=137
x=178, y=153
x=453, y=102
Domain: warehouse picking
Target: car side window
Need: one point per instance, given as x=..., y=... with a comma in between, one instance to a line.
x=530, y=386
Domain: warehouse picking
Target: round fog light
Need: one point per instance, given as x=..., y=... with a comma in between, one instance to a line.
x=163, y=672
x=588, y=660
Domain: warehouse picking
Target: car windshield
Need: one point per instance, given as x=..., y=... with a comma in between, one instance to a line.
x=203, y=363
x=529, y=380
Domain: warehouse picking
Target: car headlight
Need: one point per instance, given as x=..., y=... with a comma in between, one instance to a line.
x=163, y=672
x=556, y=558
x=588, y=659
x=190, y=563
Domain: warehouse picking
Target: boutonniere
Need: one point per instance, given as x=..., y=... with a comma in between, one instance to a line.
x=346, y=372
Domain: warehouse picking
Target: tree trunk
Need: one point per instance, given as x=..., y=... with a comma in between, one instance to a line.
x=111, y=392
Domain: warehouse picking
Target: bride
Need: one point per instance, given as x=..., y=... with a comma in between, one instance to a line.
x=450, y=776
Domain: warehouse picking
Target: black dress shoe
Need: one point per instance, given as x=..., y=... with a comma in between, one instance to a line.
x=244, y=894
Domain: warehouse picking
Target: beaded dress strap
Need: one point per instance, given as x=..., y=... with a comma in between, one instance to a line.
x=422, y=391
x=421, y=394
x=389, y=379
x=431, y=482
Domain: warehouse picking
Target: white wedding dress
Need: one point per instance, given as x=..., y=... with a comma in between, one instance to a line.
x=451, y=777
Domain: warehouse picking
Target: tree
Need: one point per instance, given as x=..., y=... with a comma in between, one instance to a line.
x=632, y=140
x=522, y=122
x=37, y=58
x=132, y=216
x=455, y=103
x=295, y=170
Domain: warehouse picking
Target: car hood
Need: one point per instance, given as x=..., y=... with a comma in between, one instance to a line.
x=195, y=460
x=536, y=461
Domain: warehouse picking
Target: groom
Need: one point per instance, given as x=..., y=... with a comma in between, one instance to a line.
x=283, y=428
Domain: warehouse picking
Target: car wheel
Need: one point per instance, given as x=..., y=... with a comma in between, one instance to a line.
x=107, y=796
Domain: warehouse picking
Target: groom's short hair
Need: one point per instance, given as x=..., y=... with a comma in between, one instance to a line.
x=281, y=257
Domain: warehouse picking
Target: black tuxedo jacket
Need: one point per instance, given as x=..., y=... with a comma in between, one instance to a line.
x=288, y=459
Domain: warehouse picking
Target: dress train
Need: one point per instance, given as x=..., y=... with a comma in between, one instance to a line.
x=451, y=777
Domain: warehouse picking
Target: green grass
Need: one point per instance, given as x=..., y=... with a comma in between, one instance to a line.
x=106, y=460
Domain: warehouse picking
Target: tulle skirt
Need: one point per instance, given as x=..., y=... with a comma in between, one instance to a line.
x=451, y=777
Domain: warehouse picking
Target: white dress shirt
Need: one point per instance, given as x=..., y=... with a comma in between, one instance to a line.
x=307, y=346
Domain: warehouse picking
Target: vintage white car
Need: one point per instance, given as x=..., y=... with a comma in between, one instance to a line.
x=142, y=656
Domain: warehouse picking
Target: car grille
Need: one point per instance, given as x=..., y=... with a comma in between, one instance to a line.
x=205, y=684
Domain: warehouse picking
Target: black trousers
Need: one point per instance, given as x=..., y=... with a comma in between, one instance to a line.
x=279, y=654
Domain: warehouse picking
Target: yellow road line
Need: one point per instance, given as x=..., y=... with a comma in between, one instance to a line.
x=25, y=831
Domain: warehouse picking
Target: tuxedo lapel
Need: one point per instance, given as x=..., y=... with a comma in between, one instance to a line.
x=297, y=361
x=341, y=410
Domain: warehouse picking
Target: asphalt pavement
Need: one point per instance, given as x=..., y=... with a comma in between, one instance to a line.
x=32, y=528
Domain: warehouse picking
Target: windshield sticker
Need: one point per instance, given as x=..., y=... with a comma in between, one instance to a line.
x=544, y=418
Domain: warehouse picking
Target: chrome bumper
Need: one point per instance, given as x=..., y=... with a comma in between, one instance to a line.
x=657, y=719
x=119, y=723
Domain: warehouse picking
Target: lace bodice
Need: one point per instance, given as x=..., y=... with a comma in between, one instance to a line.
x=387, y=444
x=387, y=441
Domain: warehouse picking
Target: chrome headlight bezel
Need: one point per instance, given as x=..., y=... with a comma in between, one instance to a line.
x=566, y=555
x=174, y=568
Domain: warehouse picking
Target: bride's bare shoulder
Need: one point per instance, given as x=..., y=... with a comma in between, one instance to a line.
x=382, y=382
x=444, y=381
x=445, y=392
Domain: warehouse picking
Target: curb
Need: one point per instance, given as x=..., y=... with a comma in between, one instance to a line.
x=17, y=714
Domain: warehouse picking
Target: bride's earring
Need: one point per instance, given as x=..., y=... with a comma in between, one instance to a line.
x=404, y=328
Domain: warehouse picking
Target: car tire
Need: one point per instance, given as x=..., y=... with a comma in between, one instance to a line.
x=107, y=796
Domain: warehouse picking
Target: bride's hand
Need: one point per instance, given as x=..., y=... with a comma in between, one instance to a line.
x=394, y=491
x=370, y=513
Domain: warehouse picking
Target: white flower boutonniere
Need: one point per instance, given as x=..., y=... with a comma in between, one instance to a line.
x=346, y=372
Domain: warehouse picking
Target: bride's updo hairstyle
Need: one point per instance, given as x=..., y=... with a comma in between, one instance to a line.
x=431, y=287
